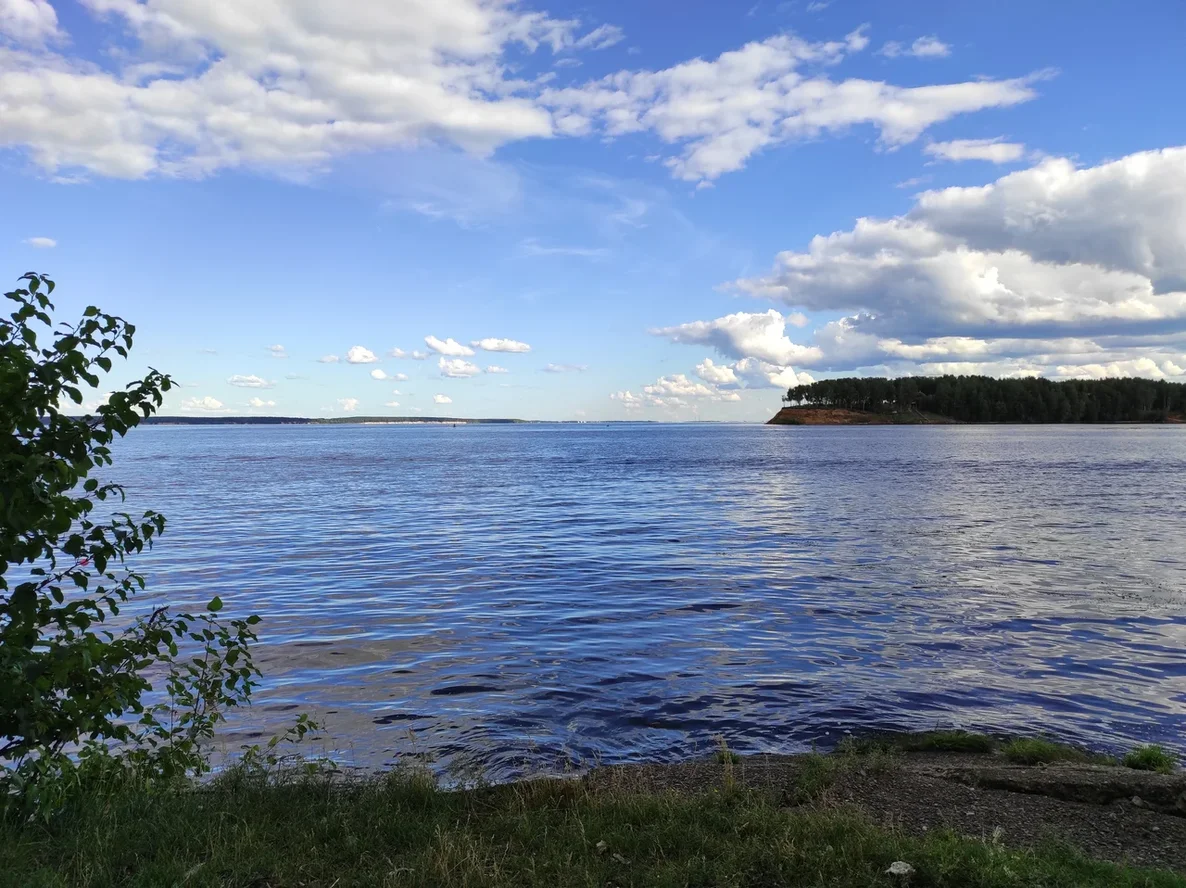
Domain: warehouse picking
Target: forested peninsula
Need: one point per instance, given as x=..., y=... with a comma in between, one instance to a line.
x=946, y=399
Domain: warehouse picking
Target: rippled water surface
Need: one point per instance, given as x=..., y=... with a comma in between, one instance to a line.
x=523, y=594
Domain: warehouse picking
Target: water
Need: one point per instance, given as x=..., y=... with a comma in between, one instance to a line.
x=523, y=595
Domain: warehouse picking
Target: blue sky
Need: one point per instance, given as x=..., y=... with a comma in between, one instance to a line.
x=615, y=203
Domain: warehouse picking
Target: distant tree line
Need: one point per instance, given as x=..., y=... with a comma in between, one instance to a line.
x=985, y=399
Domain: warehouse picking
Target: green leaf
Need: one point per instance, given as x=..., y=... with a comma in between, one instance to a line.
x=215, y=605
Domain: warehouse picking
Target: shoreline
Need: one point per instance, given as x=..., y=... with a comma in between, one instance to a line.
x=941, y=808
x=836, y=416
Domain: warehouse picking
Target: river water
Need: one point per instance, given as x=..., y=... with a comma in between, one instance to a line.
x=538, y=596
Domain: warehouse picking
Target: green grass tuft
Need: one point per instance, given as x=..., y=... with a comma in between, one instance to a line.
x=1150, y=758
x=921, y=741
x=1033, y=751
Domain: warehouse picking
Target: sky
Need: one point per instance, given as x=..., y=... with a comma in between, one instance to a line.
x=579, y=211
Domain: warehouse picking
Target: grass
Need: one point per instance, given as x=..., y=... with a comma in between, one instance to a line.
x=922, y=741
x=1033, y=751
x=403, y=831
x=1149, y=758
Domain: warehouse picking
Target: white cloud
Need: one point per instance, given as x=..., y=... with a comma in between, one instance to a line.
x=257, y=382
x=260, y=402
x=723, y=111
x=993, y=150
x=743, y=335
x=494, y=368
x=42, y=243
x=629, y=400
x=601, y=37
x=328, y=359
x=191, y=87
x=210, y=84
x=28, y=21
x=1046, y=268
x=277, y=351
x=501, y=345
x=913, y=182
x=532, y=247
x=458, y=368
x=441, y=399
x=922, y=48
x=414, y=355
x=349, y=405
x=391, y=404
x=1052, y=246
x=448, y=346
x=360, y=355
x=679, y=386
x=566, y=368
x=379, y=374
x=716, y=374
x=206, y=403
x=761, y=374
x=399, y=377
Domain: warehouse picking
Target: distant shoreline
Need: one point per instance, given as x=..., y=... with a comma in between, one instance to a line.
x=332, y=420
x=844, y=416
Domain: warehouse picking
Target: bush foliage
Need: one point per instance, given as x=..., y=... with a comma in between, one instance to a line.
x=76, y=695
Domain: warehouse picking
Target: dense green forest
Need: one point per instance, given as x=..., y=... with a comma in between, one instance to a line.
x=985, y=399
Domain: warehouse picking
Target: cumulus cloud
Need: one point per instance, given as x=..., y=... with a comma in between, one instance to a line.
x=457, y=368
x=200, y=90
x=206, y=403
x=260, y=402
x=922, y=48
x=28, y=21
x=494, y=368
x=441, y=399
x=448, y=346
x=744, y=334
x=414, y=355
x=277, y=351
x=188, y=89
x=501, y=345
x=349, y=405
x=761, y=374
x=399, y=377
x=391, y=404
x=566, y=368
x=360, y=355
x=628, y=399
x=1053, y=266
x=993, y=150
x=679, y=386
x=328, y=359
x=42, y=243
x=716, y=374
x=257, y=382
x=379, y=374
x=722, y=111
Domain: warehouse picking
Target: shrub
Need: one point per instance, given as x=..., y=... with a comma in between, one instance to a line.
x=75, y=695
x=1149, y=758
